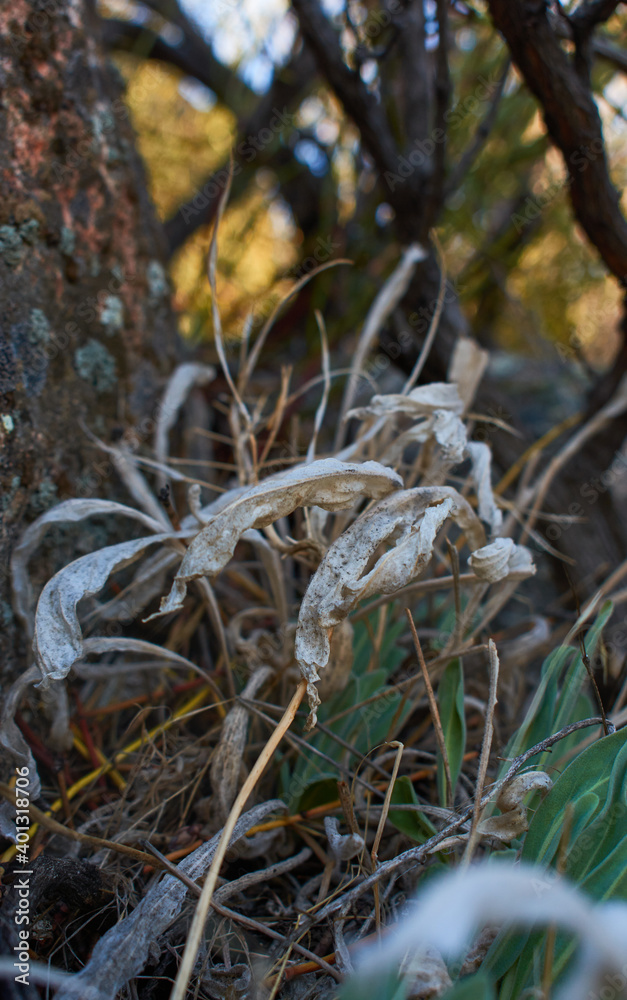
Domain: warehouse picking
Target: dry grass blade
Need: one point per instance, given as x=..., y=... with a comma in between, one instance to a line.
x=612, y=409
x=256, y=349
x=374, y=853
x=182, y=380
x=485, y=753
x=200, y=916
x=435, y=319
x=433, y=708
x=326, y=371
x=384, y=304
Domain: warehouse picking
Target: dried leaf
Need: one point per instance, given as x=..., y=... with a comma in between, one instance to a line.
x=481, y=470
x=342, y=847
x=68, y=511
x=420, y=402
x=97, y=645
x=58, y=640
x=500, y=559
x=327, y=483
x=468, y=364
x=410, y=519
x=338, y=672
x=227, y=763
x=182, y=380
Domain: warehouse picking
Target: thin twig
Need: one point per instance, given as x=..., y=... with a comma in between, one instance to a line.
x=225, y=911
x=63, y=831
x=486, y=746
x=417, y=855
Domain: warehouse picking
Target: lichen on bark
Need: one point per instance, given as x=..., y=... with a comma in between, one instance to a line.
x=84, y=337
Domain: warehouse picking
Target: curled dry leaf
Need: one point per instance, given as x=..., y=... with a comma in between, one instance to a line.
x=327, y=483
x=481, y=473
x=420, y=402
x=513, y=819
x=409, y=520
x=184, y=378
x=342, y=847
x=337, y=675
x=58, y=640
x=68, y=511
x=227, y=762
x=467, y=366
x=500, y=559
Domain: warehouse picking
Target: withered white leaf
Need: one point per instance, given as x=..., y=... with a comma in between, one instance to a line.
x=512, y=822
x=443, y=426
x=327, y=483
x=182, y=380
x=227, y=761
x=452, y=908
x=99, y=644
x=466, y=369
x=65, y=512
x=481, y=472
x=410, y=520
x=420, y=402
x=500, y=559
x=343, y=847
x=58, y=640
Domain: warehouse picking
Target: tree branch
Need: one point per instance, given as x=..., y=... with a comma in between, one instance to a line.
x=572, y=121
x=192, y=56
x=590, y=13
x=359, y=103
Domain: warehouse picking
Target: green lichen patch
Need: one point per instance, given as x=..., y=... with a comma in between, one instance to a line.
x=11, y=246
x=95, y=365
x=44, y=497
x=67, y=243
x=14, y=238
x=157, y=282
x=7, y=422
x=39, y=332
x=112, y=315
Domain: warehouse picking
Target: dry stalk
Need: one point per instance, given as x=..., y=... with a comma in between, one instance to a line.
x=374, y=854
x=200, y=916
x=433, y=708
x=486, y=746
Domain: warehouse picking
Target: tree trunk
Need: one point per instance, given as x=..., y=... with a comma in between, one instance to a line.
x=88, y=334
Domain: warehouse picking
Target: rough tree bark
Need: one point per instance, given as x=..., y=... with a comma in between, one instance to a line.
x=88, y=334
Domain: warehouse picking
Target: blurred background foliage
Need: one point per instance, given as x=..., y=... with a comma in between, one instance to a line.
x=527, y=278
